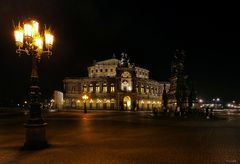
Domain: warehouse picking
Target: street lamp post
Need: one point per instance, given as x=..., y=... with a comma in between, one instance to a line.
x=85, y=98
x=30, y=41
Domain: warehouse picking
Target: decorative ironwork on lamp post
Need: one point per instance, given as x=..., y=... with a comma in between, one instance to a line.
x=30, y=41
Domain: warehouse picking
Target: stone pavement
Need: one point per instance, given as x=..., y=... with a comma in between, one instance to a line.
x=123, y=137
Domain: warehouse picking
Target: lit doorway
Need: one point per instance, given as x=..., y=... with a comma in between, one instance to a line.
x=127, y=104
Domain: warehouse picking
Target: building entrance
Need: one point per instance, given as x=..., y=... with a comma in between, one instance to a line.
x=127, y=104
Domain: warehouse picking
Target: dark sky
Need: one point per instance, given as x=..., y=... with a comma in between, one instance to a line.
x=148, y=32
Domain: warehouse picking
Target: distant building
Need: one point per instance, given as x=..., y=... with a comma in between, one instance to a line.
x=114, y=84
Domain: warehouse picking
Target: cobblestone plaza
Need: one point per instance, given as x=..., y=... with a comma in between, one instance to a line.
x=123, y=137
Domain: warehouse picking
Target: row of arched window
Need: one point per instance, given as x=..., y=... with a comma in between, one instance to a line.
x=145, y=89
x=97, y=88
x=106, y=88
x=102, y=70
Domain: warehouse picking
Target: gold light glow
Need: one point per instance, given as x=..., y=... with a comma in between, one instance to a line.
x=29, y=39
x=48, y=39
x=84, y=97
x=28, y=30
x=18, y=37
x=35, y=25
x=38, y=41
x=128, y=103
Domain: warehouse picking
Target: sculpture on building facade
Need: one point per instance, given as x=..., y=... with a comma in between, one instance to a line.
x=124, y=62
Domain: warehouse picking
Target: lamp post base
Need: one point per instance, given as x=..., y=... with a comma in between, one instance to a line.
x=35, y=136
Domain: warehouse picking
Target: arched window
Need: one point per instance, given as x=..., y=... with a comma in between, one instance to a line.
x=112, y=102
x=84, y=88
x=147, y=89
x=90, y=88
x=125, y=85
x=97, y=88
x=142, y=89
x=104, y=88
x=152, y=90
x=112, y=88
x=126, y=81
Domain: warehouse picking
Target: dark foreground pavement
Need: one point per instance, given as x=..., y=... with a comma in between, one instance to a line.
x=123, y=137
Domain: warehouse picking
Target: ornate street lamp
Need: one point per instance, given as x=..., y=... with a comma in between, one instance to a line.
x=85, y=98
x=30, y=41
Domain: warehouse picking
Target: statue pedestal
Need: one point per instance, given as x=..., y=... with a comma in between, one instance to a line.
x=35, y=136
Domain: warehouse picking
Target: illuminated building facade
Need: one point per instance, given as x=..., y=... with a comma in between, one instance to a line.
x=115, y=85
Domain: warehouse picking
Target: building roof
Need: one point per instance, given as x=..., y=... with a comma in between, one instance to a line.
x=108, y=62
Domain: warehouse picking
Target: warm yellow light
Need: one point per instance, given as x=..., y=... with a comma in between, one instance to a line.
x=48, y=39
x=38, y=41
x=129, y=88
x=128, y=103
x=35, y=26
x=84, y=97
x=18, y=36
x=28, y=30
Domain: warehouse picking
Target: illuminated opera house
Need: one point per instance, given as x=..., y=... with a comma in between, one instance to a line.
x=114, y=85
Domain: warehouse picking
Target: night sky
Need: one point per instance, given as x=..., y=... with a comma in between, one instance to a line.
x=149, y=32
